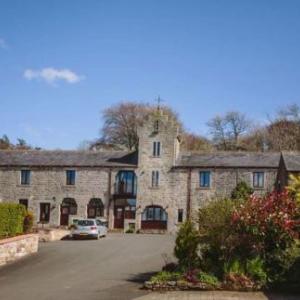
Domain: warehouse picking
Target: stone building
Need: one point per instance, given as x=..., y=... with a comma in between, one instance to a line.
x=154, y=189
x=289, y=164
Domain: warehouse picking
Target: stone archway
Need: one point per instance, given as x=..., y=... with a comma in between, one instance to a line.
x=95, y=208
x=68, y=207
x=154, y=217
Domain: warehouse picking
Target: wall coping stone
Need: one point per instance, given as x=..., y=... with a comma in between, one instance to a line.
x=17, y=238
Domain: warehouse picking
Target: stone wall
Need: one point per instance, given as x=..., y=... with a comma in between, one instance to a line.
x=17, y=247
x=49, y=185
x=164, y=195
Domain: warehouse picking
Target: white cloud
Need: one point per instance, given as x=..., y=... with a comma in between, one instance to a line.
x=3, y=44
x=51, y=75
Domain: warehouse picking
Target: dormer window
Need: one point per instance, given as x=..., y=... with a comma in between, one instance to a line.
x=156, y=149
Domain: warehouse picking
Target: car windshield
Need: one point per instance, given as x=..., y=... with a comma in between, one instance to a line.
x=85, y=223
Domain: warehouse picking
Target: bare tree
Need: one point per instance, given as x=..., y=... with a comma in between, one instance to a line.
x=5, y=143
x=283, y=135
x=255, y=140
x=217, y=128
x=237, y=124
x=122, y=120
x=226, y=130
x=290, y=112
x=194, y=142
x=283, y=132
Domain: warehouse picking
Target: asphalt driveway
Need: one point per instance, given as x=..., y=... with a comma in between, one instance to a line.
x=111, y=268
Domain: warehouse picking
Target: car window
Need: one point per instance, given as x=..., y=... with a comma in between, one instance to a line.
x=85, y=223
x=98, y=222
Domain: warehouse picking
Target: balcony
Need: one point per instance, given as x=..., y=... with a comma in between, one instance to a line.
x=125, y=185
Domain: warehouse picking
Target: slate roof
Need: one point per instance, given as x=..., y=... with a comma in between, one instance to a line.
x=229, y=160
x=291, y=161
x=63, y=158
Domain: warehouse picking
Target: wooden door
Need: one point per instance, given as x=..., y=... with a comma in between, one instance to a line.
x=44, y=212
x=119, y=217
x=64, y=215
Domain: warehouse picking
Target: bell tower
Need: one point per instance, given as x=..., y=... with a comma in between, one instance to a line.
x=159, y=147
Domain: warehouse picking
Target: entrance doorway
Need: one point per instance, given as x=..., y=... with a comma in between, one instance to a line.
x=44, y=213
x=119, y=217
x=67, y=208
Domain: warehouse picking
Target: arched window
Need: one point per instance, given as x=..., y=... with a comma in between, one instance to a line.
x=154, y=217
x=95, y=208
x=70, y=206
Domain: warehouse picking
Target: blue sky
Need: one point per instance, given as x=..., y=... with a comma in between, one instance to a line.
x=63, y=62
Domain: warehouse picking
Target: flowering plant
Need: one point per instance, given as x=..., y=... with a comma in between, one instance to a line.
x=268, y=226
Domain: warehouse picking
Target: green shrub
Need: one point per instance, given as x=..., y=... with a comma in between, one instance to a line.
x=186, y=246
x=242, y=191
x=11, y=219
x=28, y=222
x=255, y=269
x=162, y=277
x=234, y=266
x=208, y=279
x=129, y=230
x=217, y=238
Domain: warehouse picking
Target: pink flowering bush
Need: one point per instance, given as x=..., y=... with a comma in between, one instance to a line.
x=267, y=226
x=268, y=222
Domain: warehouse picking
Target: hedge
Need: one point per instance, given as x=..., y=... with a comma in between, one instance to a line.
x=11, y=219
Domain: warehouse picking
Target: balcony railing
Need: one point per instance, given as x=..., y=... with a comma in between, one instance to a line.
x=122, y=190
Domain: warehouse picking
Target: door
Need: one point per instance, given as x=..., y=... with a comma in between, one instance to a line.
x=64, y=215
x=44, y=212
x=119, y=217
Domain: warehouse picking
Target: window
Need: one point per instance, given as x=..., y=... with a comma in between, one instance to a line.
x=180, y=216
x=24, y=202
x=25, y=177
x=204, y=179
x=95, y=208
x=70, y=177
x=154, y=213
x=156, y=126
x=44, y=212
x=125, y=183
x=155, y=179
x=258, y=179
x=156, y=149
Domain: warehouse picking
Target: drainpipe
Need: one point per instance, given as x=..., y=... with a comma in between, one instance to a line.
x=188, y=202
x=109, y=196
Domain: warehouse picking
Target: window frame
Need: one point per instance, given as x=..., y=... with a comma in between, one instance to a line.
x=47, y=212
x=70, y=180
x=180, y=213
x=26, y=179
x=155, y=179
x=154, y=213
x=204, y=184
x=24, y=201
x=256, y=180
x=156, y=149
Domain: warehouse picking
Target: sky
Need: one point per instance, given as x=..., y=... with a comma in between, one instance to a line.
x=62, y=62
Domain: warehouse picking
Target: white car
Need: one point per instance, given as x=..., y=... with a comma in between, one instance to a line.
x=88, y=228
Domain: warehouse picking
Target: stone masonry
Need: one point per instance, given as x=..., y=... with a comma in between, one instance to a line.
x=177, y=191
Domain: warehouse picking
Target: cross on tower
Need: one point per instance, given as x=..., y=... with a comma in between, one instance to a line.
x=159, y=101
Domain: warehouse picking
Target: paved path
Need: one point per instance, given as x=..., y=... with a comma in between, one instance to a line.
x=111, y=268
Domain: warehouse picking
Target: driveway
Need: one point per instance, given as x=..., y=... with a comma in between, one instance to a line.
x=111, y=268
